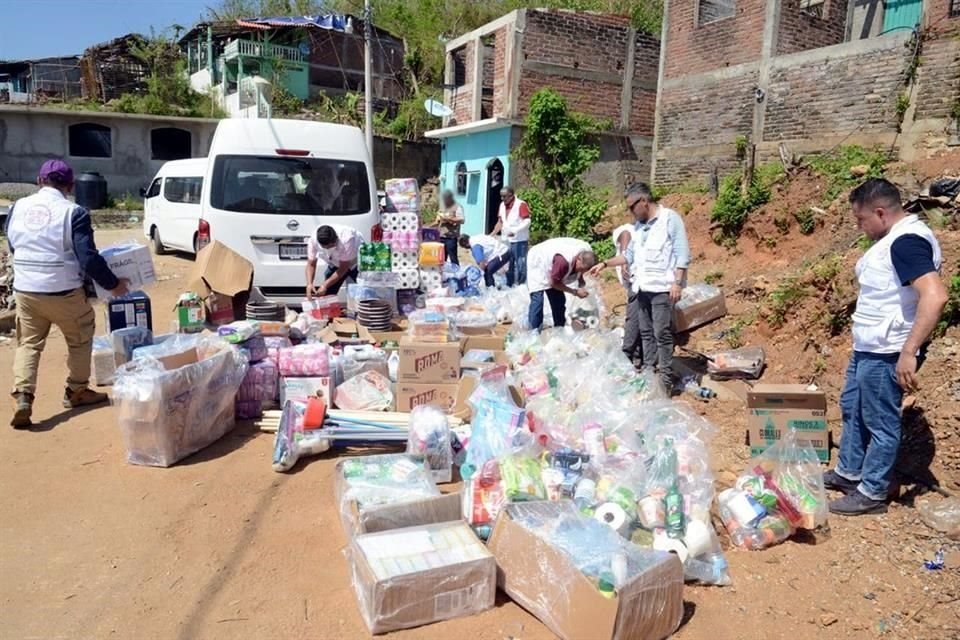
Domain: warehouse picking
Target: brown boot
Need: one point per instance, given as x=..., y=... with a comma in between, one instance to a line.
x=82, y=398
x=23, y=410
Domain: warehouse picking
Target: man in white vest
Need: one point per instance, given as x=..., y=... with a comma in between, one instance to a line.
x=51, y=239
x=513, y=221
x=622, y=237
x=489, y=252
x=659, y=256
x=900, y=301
x=556, y=265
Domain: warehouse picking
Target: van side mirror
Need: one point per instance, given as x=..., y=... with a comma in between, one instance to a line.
x=143, y=192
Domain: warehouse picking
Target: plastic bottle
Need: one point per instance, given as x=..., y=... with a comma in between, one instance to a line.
x=393, y=365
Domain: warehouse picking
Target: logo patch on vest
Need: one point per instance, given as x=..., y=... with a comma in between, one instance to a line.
x=37, y=218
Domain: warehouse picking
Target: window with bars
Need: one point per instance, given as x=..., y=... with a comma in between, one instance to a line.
x=713, y=10
x=955, y=8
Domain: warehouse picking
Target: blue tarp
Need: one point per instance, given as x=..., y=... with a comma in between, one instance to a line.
x=332, y=21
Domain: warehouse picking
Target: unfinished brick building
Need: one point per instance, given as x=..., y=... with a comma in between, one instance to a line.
x=604, y=68
x=808, y=73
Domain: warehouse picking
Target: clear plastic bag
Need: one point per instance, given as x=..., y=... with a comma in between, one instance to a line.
x=430, y=326
x=429, y=439
x=747, y=362
x=292, y=441
x=942, y=515
x=165, y=415
x=104, y=362
x=368, y=391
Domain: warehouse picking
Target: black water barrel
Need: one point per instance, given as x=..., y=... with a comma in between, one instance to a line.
x=91, y=190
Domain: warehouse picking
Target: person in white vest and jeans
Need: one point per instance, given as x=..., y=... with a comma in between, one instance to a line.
x=900, y=301
x=659, y=256
x=622, y=237
x=513, y=222
x=51, y=239
x=489, y=252
x=556, y=265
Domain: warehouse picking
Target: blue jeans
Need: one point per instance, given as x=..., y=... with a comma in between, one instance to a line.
x=493, y=266
x=517, y=273
x=870, y=407
x=450, y=248
x=558, y=307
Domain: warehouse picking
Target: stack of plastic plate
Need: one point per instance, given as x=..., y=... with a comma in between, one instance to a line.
x=375, y=315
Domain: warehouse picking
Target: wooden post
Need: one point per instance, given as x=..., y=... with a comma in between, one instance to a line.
x=748, y=170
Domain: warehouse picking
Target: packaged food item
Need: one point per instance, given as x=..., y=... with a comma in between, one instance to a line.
x=429, y=439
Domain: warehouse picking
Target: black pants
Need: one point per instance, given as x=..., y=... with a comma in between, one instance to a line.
x=493, y=266
x=335, y=287
x=558, y=307
x=450, y=247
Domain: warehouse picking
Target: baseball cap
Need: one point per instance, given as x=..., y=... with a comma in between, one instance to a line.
x=57, y=171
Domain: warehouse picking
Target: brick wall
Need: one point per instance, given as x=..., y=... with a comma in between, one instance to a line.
x=461, y=98
x=799, y=30
x=590, y=42
x=597, y=99
x=727, y=42
x=938, y=77
x=835, y=96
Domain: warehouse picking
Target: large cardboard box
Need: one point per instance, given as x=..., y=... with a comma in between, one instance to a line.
x=345, y=331
x=133, y=310
x=222, y=278
x=772, y=409
x=424, y=362
x=544, y=580
x=691, y=316
x=130, y=261
x=411, y=577
x=389, y=491
x=485, y=343
x=411, y=395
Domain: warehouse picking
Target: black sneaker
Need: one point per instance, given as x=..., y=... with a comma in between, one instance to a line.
x=857, y=504
x=835, y=482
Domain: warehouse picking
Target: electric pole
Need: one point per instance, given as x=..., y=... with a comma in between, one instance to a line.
x=368, y=75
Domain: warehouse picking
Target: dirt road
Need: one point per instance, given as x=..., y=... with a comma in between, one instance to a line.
x=220, y=546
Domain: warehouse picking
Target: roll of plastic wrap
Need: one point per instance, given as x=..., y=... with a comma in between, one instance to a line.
x=663, y=542
x=697, y=539
x=613, y=515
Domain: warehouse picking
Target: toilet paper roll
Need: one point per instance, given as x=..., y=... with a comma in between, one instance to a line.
x=650, y=511
x=613, y=515
x=663, y=542
x=697, y=539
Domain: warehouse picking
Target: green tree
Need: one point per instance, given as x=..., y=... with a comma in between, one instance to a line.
x=233, y=9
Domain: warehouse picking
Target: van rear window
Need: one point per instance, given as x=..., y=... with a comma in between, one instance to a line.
x=270, y=184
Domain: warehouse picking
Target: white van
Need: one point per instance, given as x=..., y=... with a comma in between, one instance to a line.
x=171, y=205
x=271, y=183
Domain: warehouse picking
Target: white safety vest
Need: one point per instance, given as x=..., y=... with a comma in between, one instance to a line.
x=886, y=310
x=654, y=261
x=41, y=233
x=492, y=247
x=511, y=220
x=540, y=260
x=629, y=228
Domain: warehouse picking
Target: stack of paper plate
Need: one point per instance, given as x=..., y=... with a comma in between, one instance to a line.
x=374, y=314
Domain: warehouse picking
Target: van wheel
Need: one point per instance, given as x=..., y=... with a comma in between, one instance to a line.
x=158, y=247
x=196, y=244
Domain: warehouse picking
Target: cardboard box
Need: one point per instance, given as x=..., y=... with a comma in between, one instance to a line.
x=545, y=581
x=130, y=311
x=303, y=388
x=423, y=362
x=407, y=496
x=131, y=261
x=388, y=340
x=411, y=395
x=411, y=577
x=774, y=408
x=344, y=331
x=485, y=342
x=222, y=278
x=179, y=359
x=699, y=313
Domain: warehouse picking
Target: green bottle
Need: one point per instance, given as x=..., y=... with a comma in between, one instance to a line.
x=673, y=508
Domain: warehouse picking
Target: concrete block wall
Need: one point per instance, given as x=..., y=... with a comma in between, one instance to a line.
x=938, y=78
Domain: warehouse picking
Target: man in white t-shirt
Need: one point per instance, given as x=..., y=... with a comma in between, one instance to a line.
x=490, y=253
x=338, y=247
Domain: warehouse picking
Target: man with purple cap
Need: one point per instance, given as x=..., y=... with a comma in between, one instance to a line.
x=51, y=240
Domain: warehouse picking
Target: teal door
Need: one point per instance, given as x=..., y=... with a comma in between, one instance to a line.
x=901, y=14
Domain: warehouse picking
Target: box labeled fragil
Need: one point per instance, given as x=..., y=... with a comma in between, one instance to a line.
x=131, y=262
x=772, y=409
x=411, y=395
x=429, y=362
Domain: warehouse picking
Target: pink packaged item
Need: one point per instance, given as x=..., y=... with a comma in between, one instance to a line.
x=261, y=382
x=274, y=344
x=305, y=360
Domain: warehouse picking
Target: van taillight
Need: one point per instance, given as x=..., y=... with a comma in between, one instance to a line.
x=203, y=234
x=376, y=233
x=292, y=152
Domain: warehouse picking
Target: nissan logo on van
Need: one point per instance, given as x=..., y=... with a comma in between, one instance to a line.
x=293, y=225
